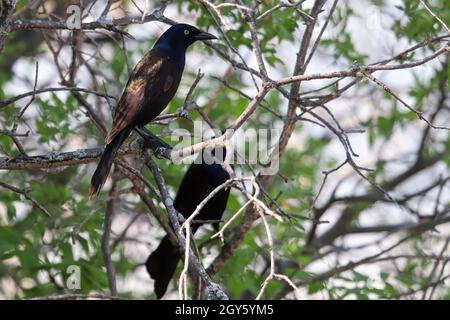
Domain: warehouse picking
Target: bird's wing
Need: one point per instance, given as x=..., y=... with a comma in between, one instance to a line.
x=148, y=73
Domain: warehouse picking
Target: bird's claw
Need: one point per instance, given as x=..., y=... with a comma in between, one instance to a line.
x=159, y=152
x=185, y=115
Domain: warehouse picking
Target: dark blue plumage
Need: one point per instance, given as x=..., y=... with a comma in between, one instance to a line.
x=152, y=84
x=197, y=184
x=177, y=39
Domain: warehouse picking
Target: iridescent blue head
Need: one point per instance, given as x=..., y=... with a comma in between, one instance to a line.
x=180, y=36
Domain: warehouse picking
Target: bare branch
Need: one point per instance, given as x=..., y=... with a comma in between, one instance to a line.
x=26, y=194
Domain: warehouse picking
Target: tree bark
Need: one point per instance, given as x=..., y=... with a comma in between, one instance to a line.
x=7, y=8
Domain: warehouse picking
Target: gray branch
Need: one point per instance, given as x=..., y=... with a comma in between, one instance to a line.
x=213, y=290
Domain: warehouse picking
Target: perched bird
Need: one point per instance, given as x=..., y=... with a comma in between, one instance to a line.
x=151, y=86
x=198, y=182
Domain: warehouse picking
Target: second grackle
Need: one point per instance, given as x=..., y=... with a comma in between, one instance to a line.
x=199, y=181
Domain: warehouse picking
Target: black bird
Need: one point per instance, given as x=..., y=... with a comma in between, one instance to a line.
x=198, y=182
x=151, y=86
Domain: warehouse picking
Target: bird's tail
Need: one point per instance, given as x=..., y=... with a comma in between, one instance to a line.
x=161, y=265
x=104, y=166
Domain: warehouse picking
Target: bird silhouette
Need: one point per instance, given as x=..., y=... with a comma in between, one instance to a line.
x=200, y=180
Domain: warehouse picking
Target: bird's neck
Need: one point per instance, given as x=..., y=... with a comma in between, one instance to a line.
x=178, y=54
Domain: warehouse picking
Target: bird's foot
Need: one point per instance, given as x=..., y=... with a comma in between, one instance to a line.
x=161, y=152
x=159, y=147
x=185, y=115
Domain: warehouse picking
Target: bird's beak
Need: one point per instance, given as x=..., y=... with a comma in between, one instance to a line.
x=204, y=36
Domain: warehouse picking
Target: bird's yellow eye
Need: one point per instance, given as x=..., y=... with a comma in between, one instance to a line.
x=186, y=32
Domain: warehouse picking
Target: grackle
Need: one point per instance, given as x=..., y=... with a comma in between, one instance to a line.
x=151, y=86
x=198, y=182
